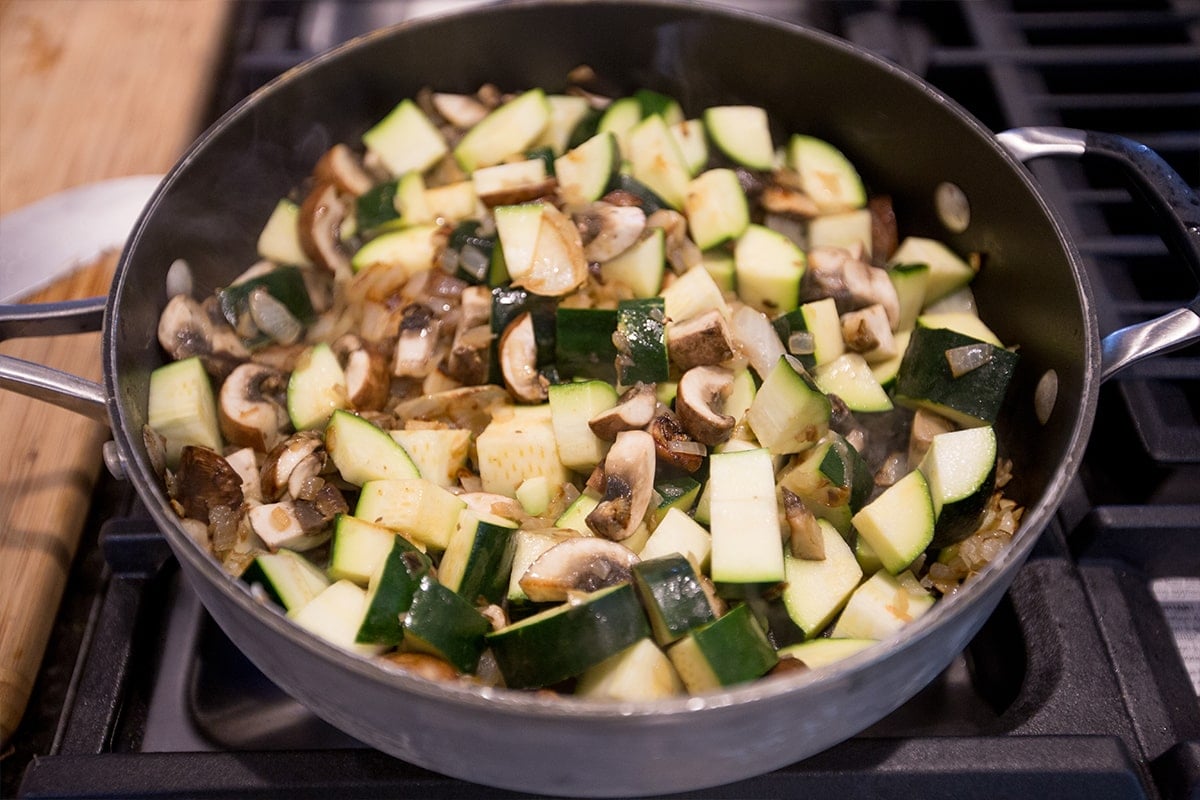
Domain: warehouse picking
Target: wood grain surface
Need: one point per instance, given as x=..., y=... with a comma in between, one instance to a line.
x=89, y=90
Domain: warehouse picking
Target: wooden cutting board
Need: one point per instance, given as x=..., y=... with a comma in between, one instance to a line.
x=89, y=90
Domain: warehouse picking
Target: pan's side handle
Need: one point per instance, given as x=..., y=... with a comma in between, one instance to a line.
x=1173, y=203
x=45, y=383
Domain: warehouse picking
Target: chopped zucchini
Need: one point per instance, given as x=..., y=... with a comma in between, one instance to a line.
x=898, y=524
x=910, y=281
x=442, y=623
x=961, y=469
x=817, y=590
x=359, y=547
x=504, y=132
x=572, y=405
x=639, y=672
x=417, y=508
x=789, y=413
x=641, y=266
x=716, y=208
x=479, y=556
x=518, y=445
x=849, y=376
x=288, y=578
x=731, y=650
x=563, y=641
x=693, y=145
x=439, y=454
x=527, y=546
x=657, y=162
x=881, y=606
x=280, y=237
x=585, y=172
x=316, y=388
x=642, y=342
x=966, y=323
x=768, y=269
x=826, y=175
x=846, y=229
x=390, y=593
x=743, y=134
x=819, y=319
x=746, y=543
x=818, y=653
x=947, y=272
x=335, y=615
x=566, y=112
x=412, y=249
x=363, y=452
x=406, y=140
x=692, y=293
x=672, y=595
x=679, y=533
x=182, y=408
x=926, y=380
x=832, y=480
x=583, y=343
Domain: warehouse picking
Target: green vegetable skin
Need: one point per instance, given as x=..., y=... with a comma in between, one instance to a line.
x=428, y=597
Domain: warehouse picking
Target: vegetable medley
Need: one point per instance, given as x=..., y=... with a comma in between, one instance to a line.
x=572, y=391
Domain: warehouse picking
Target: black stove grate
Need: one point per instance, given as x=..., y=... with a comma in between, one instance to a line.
x=1073, y=688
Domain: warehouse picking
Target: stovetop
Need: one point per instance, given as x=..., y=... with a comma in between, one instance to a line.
x=1075, y=687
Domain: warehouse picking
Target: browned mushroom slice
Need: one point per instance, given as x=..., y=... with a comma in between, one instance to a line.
x=184, y=329
x=470, y=352
x=284, y=458
x=250, y=407
x=869, y=332
x=805, y=539
x=852, y=283
x=204, y=481
x=608, y=230
x=367, y=380
x=682, y=253
x=633, y=411
x=321, y=218
x=628, y=486
x=417, y=342
x=518, y=361
x=925, y=426
x=460, y=110
x=779, y=199
x=578, y=564
x=700, y=341
x=885, y=237
x=672, y=444
x=279, y=525
x=701, y=390
x=342, y=168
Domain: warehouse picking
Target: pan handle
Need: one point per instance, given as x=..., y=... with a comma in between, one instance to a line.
x=1172, y=201
x=46, y=383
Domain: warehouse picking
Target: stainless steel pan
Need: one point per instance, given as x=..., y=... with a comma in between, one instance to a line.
x=906, y=138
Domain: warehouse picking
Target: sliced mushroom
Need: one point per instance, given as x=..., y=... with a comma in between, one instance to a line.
x=245, y=464
x=470, y=352
x=869, y=332
x=578, y=564
x=184, y=329
x=204, y=481
x=805, y=539
x=518, y=361
x=305, y=481
x=852, y=283
x=672, y=444
x=682, y=253
x=460, y=110
x=885, y=237
x=279, y=525
x=607, y=230
x=342, y=168
x=558, y=265
x=251, y=408
x=700, y=341
x=925, y=426
x=633, y=411
x=367, y=380
x=431, y=668
x=701, y=391
x=417, y=342
x=321, y=218
x=284, y=458
x=628, y=486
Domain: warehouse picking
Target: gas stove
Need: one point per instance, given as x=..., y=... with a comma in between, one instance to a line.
x=1083, y=683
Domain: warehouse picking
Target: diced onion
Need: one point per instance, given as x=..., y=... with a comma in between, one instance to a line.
x=179, y=278
x=757, y=338
x=967, y=358
x=892, y=470
x=273, y=318
x=801, y=343
x=687, y=447
x=473, y=261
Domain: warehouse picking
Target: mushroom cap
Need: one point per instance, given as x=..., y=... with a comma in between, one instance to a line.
x=204, y=481
x=341, y=167
x=700, y=390
x=248, y=413
x=578, y=564
x=284, y=458
x=634, y=410
x=184, y=329
x=628, y=486
x=700, y=340
x=518, y=361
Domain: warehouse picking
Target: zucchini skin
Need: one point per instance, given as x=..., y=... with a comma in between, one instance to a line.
x=925, y=379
